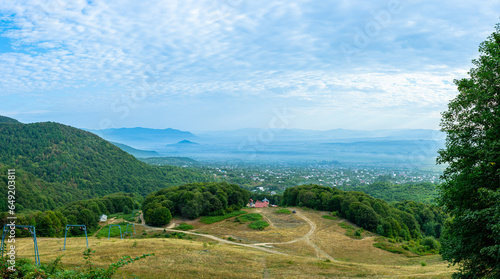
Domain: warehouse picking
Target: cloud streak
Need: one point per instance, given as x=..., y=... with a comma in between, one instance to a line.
x=68, y=53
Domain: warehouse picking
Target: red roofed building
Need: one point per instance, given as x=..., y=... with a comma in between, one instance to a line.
x=264, y=203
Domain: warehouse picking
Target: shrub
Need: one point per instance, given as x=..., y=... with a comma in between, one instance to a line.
x=258, y=225
x=184, y=227
x=283, y=211
x=160, y=217
x=431, y=243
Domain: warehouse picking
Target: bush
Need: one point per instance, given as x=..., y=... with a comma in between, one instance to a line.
x=431, y=243
x=160, y=217
x=258, y=225
x=283, y=211
x=184, y=227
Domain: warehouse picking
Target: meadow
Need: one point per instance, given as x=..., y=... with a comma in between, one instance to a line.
x=301, y=245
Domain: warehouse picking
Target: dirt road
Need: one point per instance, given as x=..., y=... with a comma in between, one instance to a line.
x=215, y=238
x=306, y=238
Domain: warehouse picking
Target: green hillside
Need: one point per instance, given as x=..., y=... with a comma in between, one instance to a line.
x=56, y=164
x=391, y=192
x=5, y=119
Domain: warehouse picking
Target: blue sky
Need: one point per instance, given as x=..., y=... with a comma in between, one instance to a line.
x=229, y=64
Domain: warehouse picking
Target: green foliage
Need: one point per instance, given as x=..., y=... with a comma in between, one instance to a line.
x=28, y=270
x=196, y=199
x=160, y=217
x=351, y=231
x=330, y=217
x=403, y=219
x=424, y=192
x=184, y=227
x=258, y=225
x=115, y=231
x=389, y=247
x=471, y=191
x=283, y=211
x=8, y=120
x=57, y=164
x=431, y=243
x=215, y=219
x=84, y=212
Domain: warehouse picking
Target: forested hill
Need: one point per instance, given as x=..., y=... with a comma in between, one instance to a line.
x=56, y=164
x=5, y=119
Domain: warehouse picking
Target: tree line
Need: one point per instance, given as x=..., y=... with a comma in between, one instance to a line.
x=193, y=200
x=389, y=191
x=406, y=220
x=85, y=212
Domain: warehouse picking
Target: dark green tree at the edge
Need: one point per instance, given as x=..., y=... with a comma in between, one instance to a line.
x=471, y=188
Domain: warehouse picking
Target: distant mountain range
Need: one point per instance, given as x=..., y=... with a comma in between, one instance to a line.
x=144, y=138
x=136, y=152
x=389, y=146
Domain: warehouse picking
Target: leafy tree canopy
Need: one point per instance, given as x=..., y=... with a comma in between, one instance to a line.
x=403, y=219
x=471, y=191
x=194, y=200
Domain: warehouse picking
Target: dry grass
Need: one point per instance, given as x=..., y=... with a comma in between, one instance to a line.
x=205, y=258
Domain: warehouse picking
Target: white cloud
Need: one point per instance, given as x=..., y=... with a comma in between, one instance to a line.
x=73, y=51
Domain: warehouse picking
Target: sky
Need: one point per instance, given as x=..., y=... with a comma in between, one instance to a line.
x=231, y=64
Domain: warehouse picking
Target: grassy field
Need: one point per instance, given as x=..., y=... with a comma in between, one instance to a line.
x=309, y=246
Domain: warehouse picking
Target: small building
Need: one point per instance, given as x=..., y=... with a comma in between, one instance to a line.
x=260, y=204
x=103, y=218
x=250, y=203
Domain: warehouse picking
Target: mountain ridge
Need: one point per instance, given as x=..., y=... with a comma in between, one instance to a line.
x=58, y=164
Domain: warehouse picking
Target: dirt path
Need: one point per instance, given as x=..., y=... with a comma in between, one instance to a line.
x=306, y=238
x=266, y=218
x=215, y=238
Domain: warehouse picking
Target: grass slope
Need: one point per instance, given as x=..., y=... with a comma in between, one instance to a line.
x=200, y=257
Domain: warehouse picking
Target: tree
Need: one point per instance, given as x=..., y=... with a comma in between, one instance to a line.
x=161, y=216
x=471, y=188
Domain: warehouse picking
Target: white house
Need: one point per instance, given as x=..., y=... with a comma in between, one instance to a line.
x=103, y=218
